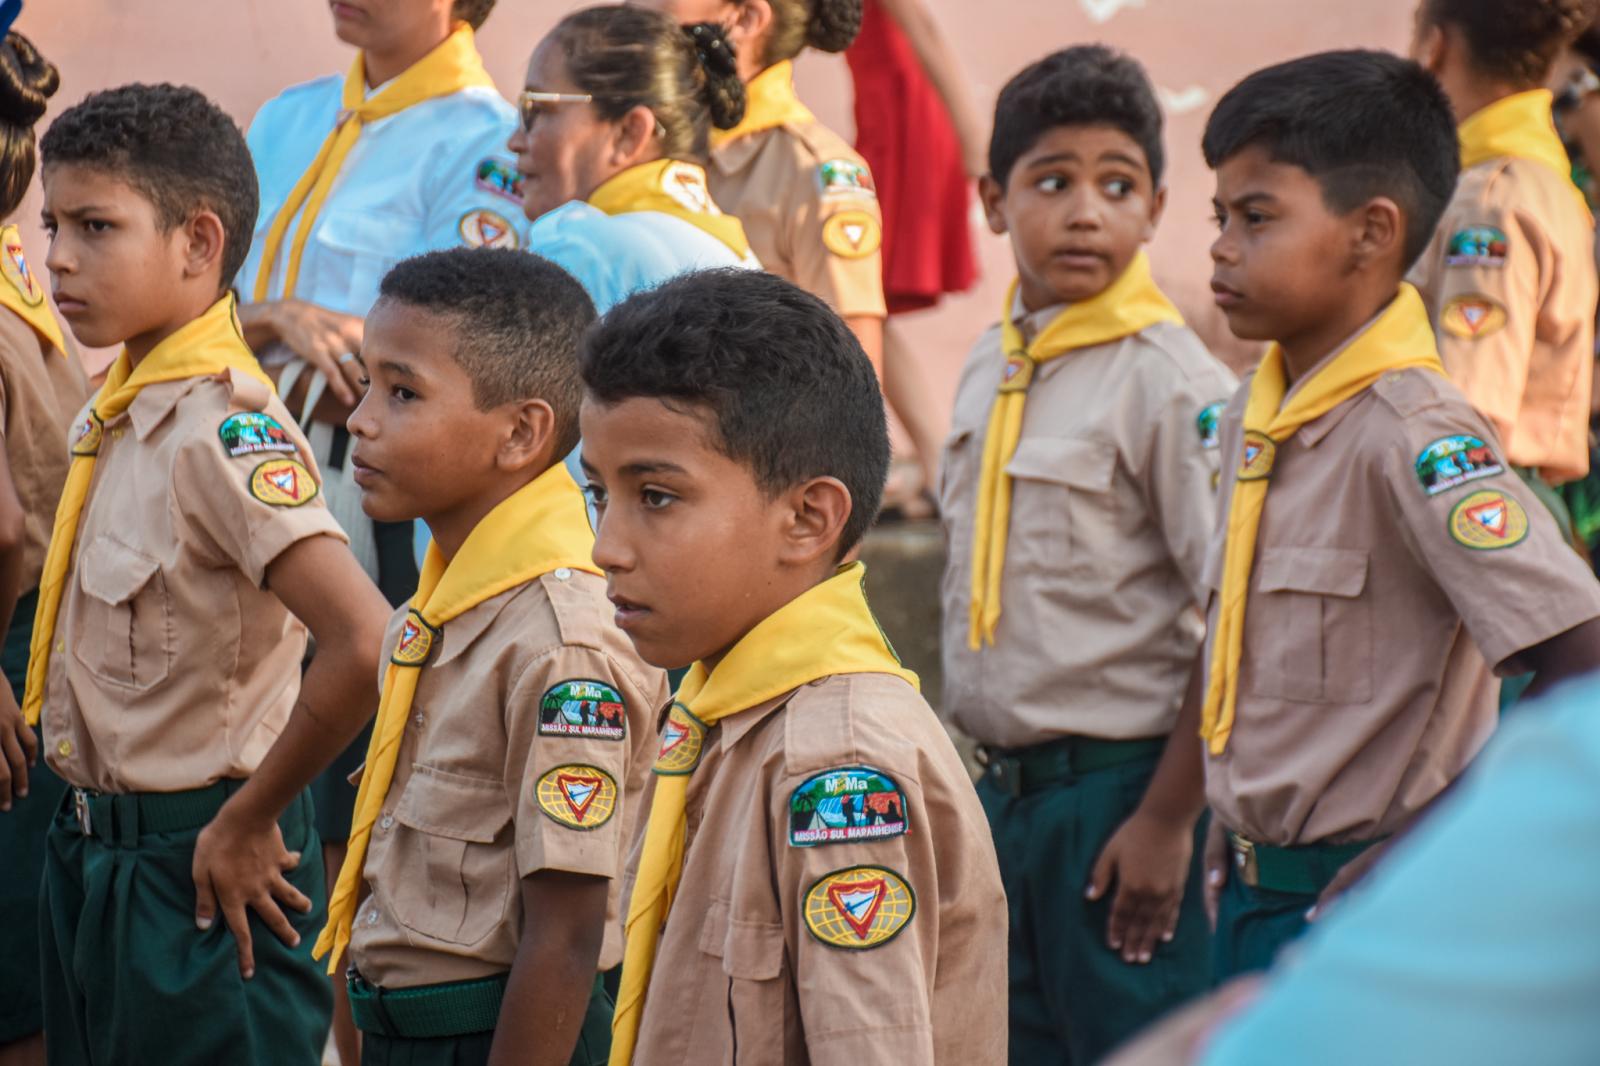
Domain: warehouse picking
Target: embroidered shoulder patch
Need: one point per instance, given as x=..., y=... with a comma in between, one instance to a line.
x=859, y=907
x=1472, y=317
x=578, y=795
x=588, y=709
x=852, y=234
x=1477, y=246
x=845, y=177
x=415, y=641
x=250, y=432
x=687, y=185
x=682, y=740
x=498, y=177
x=846, y=804
x=1455, y=460
x=482, y=228
x=1209, y=423
x=1488, y=520
x=15, y=268
x=283, y=483
x=1255, y=461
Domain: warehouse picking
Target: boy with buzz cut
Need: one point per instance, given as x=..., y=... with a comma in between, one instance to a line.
x=815, y=882
x=491, y=825
x=1078, y=497
x=190, y=554
x=1377, y=563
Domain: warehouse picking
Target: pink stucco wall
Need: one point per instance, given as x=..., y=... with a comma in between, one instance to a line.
x=242, y=51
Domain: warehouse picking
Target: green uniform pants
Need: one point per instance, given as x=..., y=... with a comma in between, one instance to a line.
x=1073, y=999
x=128, y=979
x=22, y=833
x=1253, y=924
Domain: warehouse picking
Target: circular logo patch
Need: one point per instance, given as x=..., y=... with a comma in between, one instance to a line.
x=682, y=740
x=852, y=234
x=859, y=907
x=1255, y=462
x=283, y=483
x=86, y=435
x=415, y=643
x=578, y=796
x=483, y=228
x=15, y=267
x=1472, y=317
x=1488, y=520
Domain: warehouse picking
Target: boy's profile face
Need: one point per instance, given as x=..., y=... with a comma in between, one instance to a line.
x=689, y=542
x=423, y=448
x=114, y=272
x=1078, y=205
x=1282, y=263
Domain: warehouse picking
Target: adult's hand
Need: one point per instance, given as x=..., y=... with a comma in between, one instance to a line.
x=326, y=339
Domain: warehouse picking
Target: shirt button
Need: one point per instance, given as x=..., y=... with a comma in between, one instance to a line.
x=372, y=916
x=563, y=574
x=61, y=647
x=64, y=748
x=419, y=720
x=386, y=821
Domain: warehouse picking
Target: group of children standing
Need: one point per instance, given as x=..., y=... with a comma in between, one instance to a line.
x=1286, y=602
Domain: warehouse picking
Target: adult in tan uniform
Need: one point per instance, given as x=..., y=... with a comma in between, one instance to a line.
x=1509, y=277
x=41, y=388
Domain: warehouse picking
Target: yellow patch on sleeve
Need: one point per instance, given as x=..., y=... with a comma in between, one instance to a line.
x=859, y=907
x=578, y=795
x=852, y=234
x=482, y=228
x=283, y=483
x=1472, y=317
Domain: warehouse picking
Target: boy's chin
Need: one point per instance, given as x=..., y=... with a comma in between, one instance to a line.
x=375, y=507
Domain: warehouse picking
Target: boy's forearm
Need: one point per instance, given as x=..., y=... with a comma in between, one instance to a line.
x=1567, y=655
x=1176, y=792
x=547, y=996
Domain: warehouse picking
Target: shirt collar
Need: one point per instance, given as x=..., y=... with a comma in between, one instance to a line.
x=1031, y=323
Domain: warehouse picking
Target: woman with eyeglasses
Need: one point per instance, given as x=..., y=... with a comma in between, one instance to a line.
x=401, y=155
x=616, y=123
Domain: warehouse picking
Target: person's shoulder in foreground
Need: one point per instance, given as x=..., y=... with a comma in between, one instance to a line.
x=735, y=441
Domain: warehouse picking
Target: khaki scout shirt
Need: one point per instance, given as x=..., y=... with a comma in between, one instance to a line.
x=517, y=759
x=173, y=665
x=825, y=236
x=1509, y=280
x=41, y=389
x=742, y=975
x=1112, y=507
x=1387, y=589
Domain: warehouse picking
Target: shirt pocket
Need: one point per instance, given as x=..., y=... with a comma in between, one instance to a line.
x=125, y=636
x=1310, y=627
x=1063, y=507
x=755, y=968
x=454, y=881
x=355, y=249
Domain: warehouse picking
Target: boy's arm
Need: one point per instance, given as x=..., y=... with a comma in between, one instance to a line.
x=558, y=955
x=240, y=859
x=19, y=747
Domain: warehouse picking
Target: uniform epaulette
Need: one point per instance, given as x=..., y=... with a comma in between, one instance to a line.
x=827, y=729
x=1408, y=392
x=577, y=615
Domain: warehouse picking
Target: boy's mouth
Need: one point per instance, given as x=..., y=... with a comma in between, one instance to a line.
x=363, y=473
x=68, y=304
x=1079, y=258
x=1225, y=295
x=628, y=612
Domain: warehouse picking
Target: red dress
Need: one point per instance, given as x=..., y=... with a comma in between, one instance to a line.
x=906, y=136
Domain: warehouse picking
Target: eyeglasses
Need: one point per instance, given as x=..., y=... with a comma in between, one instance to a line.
x=529, y=100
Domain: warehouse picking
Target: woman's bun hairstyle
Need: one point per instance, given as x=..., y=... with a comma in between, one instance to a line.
x=834, y=24
x=27, y=81
x=724, y=92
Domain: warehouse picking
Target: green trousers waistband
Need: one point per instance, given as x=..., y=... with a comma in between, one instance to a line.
x=122, y=818
x=1020, y=771
x=1306, y=869
x=428, y=1011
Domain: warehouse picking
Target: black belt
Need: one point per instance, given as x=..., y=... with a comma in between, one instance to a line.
x=1020, y=771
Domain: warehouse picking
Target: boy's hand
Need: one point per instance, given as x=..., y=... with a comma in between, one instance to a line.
x=327, y=340
x=1148, y=857
x=1215, y=867
x=239, y=865
x=19, y=749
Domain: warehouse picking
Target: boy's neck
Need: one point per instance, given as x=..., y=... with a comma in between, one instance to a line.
x=1302, y=354
x=382, y=66
x=451, y=528
x=790, y=589
x=192, y=307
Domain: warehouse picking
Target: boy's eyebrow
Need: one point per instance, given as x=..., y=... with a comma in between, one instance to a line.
x=1054, y=157
x=653, y=466
x=397, y=368
x=71, y=211
x=1120, y=157
x=1245, y=200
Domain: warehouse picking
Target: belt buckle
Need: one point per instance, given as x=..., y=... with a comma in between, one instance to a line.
x=1007, y=775
x=1244, y=860
x=80, y=811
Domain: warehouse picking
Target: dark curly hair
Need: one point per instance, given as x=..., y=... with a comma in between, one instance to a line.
x=27, y=81
x=1514, y=41
x=826, y=25
x=1363, y=124
x=178, y=149
x=1089, y=85
x=472, y=12
x=789, y=392
x=517, y=319
x=627, y=57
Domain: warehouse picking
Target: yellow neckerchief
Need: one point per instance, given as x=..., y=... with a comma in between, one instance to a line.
x=769, y=102
x=672, y=187
x=826, y=631
x=24, y=295
x=1131, y=303
x=1519, y=126
x=210, y=345
x=543, y=526
x=1400, y=338
x=449, y=68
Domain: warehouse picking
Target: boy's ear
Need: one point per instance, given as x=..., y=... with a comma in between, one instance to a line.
x=818, y=511
x=203, y=241
x=531, y=440
x=993, y=196
x=1380, y=231
x=1158, y=206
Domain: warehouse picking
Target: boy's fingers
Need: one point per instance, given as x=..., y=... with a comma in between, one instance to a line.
x=30, y=748
x=205, y=902
x=1124, y=909
x=1100, y=877
x=290, y=860
x=13, y=770
x=289, y=896
x=239, y=922
x=273, y=918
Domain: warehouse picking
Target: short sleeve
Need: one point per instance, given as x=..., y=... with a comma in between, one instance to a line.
x=837, y=241
x=475, y=198
x=1472, y=523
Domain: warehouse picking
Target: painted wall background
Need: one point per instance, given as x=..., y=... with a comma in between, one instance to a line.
x=241, y=52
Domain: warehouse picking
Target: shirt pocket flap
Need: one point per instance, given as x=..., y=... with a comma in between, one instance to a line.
x=1080, y=464
x=454, y=805
x=112, y=572
x=364, y=232
x=1323, y=571
x=750, y=951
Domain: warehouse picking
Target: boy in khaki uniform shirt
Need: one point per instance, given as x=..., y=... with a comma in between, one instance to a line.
x=190, y=554
x=1377, y=563
x=1068, y=665
x=491, y=860
x=1509, y=276
x=815, y=883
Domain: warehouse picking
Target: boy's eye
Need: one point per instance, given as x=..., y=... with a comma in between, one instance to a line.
x=95, y=225
x=1052, y=183
x=655, y=499
x=1220, y=218
x=1119, y=188
x=596, y=495
x=403, y=394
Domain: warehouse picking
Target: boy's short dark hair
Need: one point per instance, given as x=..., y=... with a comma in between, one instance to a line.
x=791, y=392
x=1089, y=85
x=517, y=320
x=178, y=149
x=1514, y=41
x=1363, y=124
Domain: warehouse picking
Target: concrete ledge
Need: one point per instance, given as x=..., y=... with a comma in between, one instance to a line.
x=904, y=564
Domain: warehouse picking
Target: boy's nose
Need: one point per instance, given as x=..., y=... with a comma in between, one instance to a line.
x=611, y=552
x=1223, y=250
x=361, y=422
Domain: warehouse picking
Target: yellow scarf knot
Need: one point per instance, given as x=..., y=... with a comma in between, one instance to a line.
x=672, y=187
